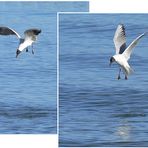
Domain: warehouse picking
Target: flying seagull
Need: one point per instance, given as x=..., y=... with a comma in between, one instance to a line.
x=123, y=52
x=28, y=40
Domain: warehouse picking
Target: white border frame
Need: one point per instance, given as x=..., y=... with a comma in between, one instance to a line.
x=28, y=141
x=58, y=79
x=119, y=6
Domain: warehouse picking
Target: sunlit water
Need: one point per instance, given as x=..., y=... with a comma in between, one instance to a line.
x=96, y=109
x=28, y=84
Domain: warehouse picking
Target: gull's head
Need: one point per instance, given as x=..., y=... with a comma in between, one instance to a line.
x=17, y=52
x=112, y=59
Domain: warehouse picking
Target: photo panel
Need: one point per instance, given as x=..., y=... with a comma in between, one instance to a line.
x=28, y=77
x=96, y=107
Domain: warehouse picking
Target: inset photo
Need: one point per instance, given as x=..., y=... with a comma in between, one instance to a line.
x=103, y=80
x=28, y=65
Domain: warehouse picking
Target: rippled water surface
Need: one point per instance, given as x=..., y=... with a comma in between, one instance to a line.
x=96, y=109
x=28, y=84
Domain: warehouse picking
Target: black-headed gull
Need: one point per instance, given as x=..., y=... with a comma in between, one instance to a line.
x=28, y=40
x=122, y=52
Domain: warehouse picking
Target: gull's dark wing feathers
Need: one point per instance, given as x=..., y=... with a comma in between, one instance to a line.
x=32, y=33
x=120, y=39
x=8, y=31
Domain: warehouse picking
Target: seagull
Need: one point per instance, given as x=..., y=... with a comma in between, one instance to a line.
x=123, y=52
x=24, y=43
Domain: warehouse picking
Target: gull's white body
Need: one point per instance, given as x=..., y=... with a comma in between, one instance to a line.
x=122, y=61
x=25, y=44
x=123, y=52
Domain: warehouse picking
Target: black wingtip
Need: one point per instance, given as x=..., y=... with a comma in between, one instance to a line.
x=37, y=31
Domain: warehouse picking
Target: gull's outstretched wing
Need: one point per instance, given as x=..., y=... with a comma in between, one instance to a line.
x=128, y=50
x=120, y=39
x=32, y=33
x=8, y=31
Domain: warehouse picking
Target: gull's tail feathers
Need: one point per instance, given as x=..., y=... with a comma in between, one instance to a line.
x=128, y=70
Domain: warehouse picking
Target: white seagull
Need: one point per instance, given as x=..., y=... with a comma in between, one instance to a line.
x=28, y=40
x=122, y=52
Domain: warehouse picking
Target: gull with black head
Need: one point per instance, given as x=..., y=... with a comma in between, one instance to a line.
x=24, y=43
x=123, y=52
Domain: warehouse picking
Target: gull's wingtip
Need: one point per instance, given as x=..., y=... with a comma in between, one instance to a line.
x=145, y=33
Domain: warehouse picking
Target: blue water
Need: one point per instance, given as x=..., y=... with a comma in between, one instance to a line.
x=28, y=84
x=96, y=109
